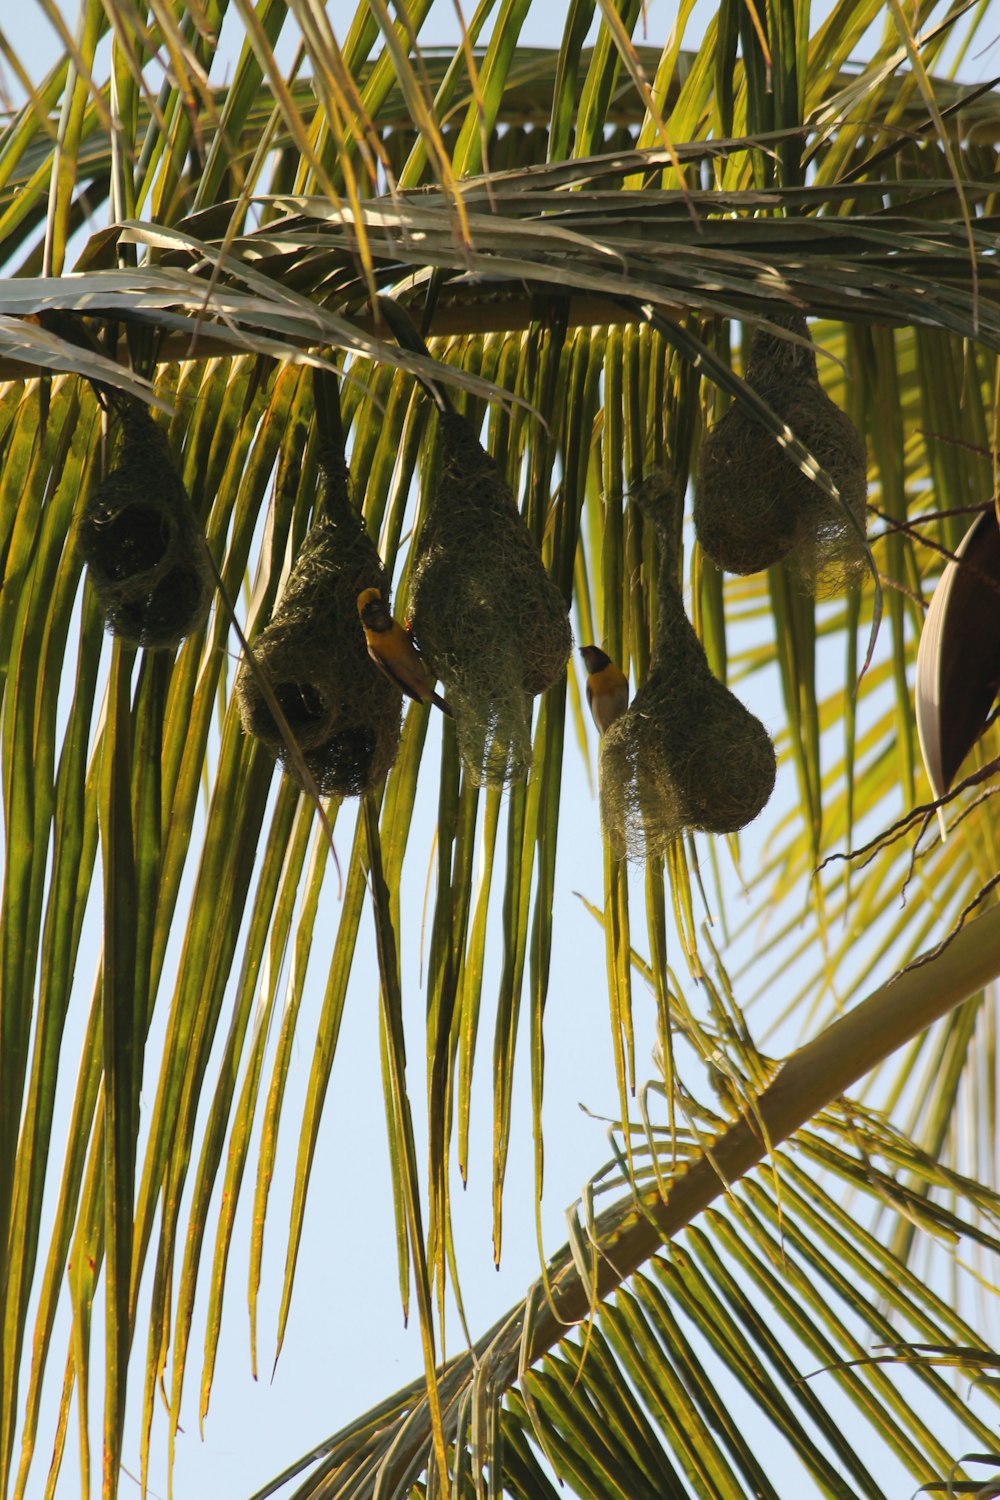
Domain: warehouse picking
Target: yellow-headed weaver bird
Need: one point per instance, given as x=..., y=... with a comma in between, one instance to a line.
x=607, y=688
x=393, y=652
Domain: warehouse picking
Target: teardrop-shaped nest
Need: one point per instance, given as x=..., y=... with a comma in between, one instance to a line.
x=139, y=538
x=687, y=753
x=489, y=621
x=343, y=713
x=753, y=505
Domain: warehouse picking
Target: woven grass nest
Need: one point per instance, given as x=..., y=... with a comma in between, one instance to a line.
x=342, y=712
x=753, y=506
x=144, y=550
x=487, y=617
x=489, y=621
x=686, y=753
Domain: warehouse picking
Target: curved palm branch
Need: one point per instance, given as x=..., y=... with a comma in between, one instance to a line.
x=601, y=1373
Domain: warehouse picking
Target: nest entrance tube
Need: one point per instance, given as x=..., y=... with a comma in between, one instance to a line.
x=753, y=505
x=343, y=713
x=686, y=753
x=489, y=620
x=139, y=538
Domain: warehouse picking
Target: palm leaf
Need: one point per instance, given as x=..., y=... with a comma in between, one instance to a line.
x=242, y=235
x=662, y=1276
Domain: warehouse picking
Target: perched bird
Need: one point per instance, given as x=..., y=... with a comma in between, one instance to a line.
x=607, y=688
x=394, y=653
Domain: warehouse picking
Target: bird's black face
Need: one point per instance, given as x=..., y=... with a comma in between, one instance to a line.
x=375, y=616
x=594, y=659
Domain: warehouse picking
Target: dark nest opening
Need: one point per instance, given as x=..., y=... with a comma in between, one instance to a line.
x=687, y=753
x=490, y=622
x=753, y=505
x=343, y=713
x=139, y=538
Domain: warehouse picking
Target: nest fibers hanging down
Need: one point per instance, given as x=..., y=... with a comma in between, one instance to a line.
x=488, y=619
x=343, y=713
x=686, y=753
x=753, y=505
x=144, y=550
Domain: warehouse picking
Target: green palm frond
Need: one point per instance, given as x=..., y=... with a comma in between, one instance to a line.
x=612, y=1373
x=580, y=231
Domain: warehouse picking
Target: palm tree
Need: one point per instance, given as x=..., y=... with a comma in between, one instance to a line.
x=586, y=237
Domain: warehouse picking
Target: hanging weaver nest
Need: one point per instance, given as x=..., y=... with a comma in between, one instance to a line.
x=686, y=754
x=753, y=504
x=489, y=621
x=343, y=713
x=144, y=550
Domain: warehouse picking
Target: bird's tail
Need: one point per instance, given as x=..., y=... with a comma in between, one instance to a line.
x=405, y=333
